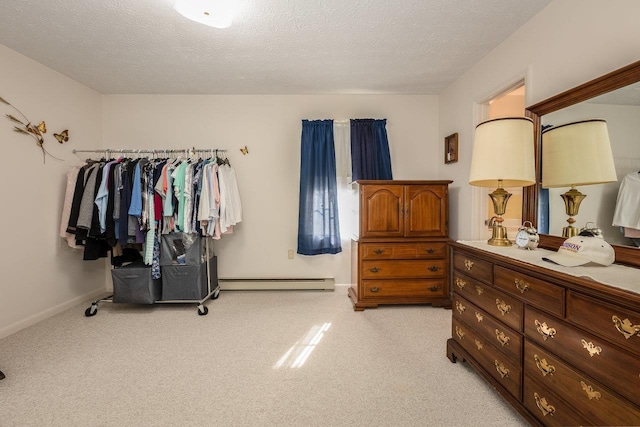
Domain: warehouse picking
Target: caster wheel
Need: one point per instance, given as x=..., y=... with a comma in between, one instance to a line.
x=203, y=310
x=91, y=311
x=216, y=294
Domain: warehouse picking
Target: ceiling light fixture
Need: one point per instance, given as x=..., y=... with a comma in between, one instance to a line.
x=214, y=13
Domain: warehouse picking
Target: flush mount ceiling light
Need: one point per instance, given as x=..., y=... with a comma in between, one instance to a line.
x=214, y=13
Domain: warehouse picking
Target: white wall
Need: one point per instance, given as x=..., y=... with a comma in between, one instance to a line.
x=566, y=44
x=40, y=276
x=268, y=177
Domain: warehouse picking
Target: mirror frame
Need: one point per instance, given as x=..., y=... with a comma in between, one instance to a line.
x=614, y=80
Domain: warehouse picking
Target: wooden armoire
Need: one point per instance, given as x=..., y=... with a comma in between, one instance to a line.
x=400, y=255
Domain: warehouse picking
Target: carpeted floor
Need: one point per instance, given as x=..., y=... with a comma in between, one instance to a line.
x=288, y=358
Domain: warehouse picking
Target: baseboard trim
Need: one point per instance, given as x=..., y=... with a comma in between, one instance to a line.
x=52, y=311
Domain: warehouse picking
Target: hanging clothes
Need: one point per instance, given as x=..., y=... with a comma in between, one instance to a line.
x=118, y=204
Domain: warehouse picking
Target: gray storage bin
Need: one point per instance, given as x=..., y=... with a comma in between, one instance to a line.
x=132, y=284
x=182, y=249
x=188, y=282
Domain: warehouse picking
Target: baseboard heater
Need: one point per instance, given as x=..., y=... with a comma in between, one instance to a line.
x=270, y=284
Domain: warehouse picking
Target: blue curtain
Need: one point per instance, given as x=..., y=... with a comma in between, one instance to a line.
x=318, y=225
x=370, y=154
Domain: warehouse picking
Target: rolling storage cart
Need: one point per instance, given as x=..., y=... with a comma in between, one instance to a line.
x=189, y=274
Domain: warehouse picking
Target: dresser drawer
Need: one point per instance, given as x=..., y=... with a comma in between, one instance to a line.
x=550, y=409
x=619, y=325
x=586, y=395
x=473, y=267
x=502, y=306
x=505, y=339
x=424, y=250
x=382, y=269
x=508, y=374
x=598, y=358
x=404, y=288
x=534, y=291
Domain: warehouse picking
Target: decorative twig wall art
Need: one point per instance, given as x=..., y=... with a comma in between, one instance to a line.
x=35, y=131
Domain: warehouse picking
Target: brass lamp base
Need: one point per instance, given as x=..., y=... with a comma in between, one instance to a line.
x=572, y=200
x=499, y=236
x=499, y=197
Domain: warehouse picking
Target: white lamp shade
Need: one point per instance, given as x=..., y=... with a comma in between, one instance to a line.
x=503, y=153
x=214, y=13
x=577, y=153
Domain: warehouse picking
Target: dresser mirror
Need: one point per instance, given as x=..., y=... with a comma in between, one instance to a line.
x=604, y=97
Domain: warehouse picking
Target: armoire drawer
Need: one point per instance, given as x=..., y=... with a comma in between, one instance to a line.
x=505, y=339
x=500, y=305
x=621, y=326
x=550, y=409
x=424, y=250
x=404, y=288
x=598, y=358
x=586, y=395
x=473, y=267
x=534, y=291
x=507, y=373
x=383, y=269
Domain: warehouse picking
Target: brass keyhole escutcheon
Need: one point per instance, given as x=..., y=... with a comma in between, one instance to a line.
x=468, y=264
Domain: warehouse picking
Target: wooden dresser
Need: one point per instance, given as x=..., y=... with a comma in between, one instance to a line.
x=400, y=253
x=561, y=349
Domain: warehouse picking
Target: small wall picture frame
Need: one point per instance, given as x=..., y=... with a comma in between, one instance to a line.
x=451, y=148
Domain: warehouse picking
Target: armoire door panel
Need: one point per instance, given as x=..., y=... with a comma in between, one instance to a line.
x=384, y=211
x=420, y=199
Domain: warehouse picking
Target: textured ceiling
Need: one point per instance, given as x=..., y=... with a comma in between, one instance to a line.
x=273, y=46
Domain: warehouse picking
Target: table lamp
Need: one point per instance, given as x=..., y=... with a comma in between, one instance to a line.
x=502, y=157
x=574, y=154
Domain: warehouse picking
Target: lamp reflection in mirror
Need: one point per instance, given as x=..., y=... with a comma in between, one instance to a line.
x=214, y=13
x=576, y=154
x=502, y=157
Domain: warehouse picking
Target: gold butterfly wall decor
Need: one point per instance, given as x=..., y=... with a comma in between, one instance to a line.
x=244, y=150
x=24, y=126
x=62, y=136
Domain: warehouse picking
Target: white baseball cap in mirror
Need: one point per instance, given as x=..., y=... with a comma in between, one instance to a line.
x=580, y=250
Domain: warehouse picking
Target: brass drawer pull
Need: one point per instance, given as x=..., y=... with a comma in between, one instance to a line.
x=430, y=251
x=375, y=269
x=460, y=283
x=461, y=308
x=503, y=307
x=460, y=333
x=502, y=338
x=625, y=327
x=375, y=289
x=478, y=344
x=591, y=348
x=544, y=407
x=545, y=330
x=521, y=285
x=591, y=393
x=468, y=264
x=378, y=251
x=434, y=288
x=504, y=372
x=479, y=289
x=479, y=316
x=433, y=268
x=544, y=367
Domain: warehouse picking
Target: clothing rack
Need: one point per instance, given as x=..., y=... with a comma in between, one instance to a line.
x=212, y=291
x=188, y=152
